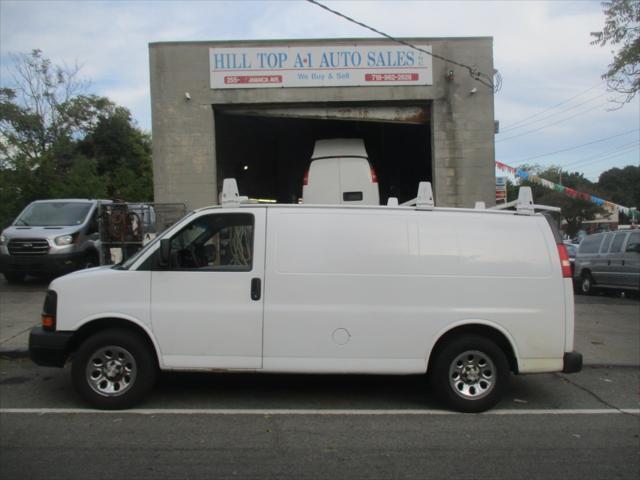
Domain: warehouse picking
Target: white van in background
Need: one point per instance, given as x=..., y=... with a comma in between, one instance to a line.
x=322, y=289
x=340, y=173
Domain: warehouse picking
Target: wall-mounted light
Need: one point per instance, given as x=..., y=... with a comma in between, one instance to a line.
x=473, y=90
x=187, y=96
x=245, y=167
x=450, y=75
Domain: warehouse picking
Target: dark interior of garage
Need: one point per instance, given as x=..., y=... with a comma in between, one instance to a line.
x=269, y=155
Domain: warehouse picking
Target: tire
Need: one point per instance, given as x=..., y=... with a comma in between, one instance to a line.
x=470, y=373
x=91, y=260
x=14, y=277
x=586, y=284
x=114, y=369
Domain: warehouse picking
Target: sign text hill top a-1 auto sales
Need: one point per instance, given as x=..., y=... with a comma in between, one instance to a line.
x=334, y=66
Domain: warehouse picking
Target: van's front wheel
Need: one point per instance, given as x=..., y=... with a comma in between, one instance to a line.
x=114, y=369
x=470, y=373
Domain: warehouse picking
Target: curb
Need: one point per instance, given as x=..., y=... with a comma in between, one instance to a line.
x=14, y=353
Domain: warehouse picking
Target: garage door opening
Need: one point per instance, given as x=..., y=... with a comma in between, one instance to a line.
x=268, y=155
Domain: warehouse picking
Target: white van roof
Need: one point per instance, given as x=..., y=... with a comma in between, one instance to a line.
x=339, y=147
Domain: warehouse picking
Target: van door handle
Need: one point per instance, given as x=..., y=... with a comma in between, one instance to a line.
x=255, y=289
x=608, y=262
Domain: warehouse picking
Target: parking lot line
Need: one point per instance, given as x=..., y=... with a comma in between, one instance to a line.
x=240, y=411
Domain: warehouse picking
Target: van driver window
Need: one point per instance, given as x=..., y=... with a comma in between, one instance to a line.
x=219, y=242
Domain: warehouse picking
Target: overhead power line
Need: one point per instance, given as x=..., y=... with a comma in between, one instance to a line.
x=609, y=157
x=546, y=117
x=604, y=154
x=473, y=72
x=513, y=125
x=577, y=146
x=552, y=124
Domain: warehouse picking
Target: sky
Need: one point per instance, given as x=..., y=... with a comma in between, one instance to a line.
x=552, y=97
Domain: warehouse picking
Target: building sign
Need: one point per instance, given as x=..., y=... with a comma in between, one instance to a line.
x=501, y=189
x=331, y=66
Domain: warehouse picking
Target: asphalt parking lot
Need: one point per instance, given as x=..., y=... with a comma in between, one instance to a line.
x=585, y=425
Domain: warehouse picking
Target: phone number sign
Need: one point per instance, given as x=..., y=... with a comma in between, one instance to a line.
x=334, y=66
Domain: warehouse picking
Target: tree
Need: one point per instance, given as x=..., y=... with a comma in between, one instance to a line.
x=56, y=140
x=622, y=185
x=622, y=26
x=123, y=155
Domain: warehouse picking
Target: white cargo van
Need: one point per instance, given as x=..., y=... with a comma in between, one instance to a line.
x=322, y=289
x=340, y=173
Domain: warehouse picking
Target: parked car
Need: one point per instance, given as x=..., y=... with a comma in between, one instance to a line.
x=609, y=260
x=340, y=173
x=51, y=237
x=322, y=289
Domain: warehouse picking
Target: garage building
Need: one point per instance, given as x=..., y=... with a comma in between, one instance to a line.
x=252, y=110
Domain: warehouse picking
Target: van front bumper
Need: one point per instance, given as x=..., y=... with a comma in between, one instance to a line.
x=572, y=362
x=41, y=264
x=49, y=349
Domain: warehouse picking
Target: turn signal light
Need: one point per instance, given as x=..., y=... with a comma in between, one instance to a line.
x=374, y=177
x=48, y=322
x=305, y=179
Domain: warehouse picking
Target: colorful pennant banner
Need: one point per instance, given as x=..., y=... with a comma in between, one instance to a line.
x=630, y=212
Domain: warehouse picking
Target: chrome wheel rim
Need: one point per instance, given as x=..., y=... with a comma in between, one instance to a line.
x=111, y=371
x=472, y=375
x=586, y=284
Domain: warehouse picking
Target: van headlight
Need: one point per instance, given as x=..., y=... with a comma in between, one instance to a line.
x=64, y=240
x=3, y=239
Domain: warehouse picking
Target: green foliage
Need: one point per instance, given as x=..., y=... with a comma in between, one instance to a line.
x=58, y=141
x=622, y=26
x=622, y=185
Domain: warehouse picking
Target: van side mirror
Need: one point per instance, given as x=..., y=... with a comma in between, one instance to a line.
x=165, y=252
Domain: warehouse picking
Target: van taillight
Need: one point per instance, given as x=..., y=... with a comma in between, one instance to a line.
x=374, y=177
x=305, y=179
x=564, y=261
x=49, y=311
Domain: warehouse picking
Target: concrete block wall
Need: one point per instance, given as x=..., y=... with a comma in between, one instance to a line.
x=184, y=153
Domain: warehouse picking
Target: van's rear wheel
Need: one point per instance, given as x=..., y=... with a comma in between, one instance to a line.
x=114, y=369
x=470, y=373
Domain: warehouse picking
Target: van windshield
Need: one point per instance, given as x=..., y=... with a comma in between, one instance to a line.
x=54, y=214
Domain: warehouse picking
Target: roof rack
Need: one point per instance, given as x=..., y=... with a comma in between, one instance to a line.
x=424, y=200
x=230, y=196
x=524, y=204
